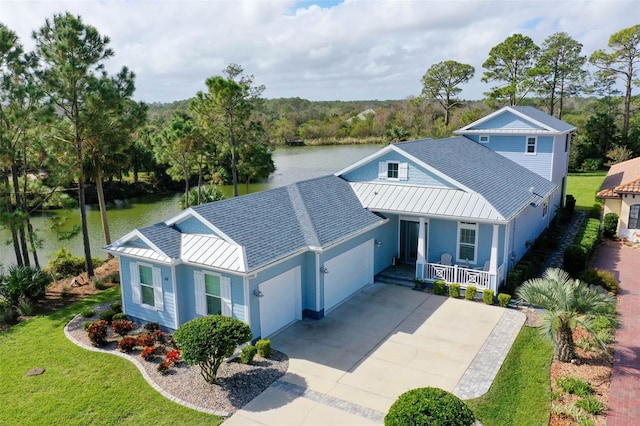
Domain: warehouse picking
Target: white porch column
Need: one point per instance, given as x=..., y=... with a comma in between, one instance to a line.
x=493, y=262
x=421, y=254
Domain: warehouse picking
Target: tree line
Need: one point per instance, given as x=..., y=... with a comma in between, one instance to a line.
x=66, y=123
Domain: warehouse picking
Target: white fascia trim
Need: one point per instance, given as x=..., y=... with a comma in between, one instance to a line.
x=176, y=312
x=365, y=160
x=142, y=259
x=441, y=216
x=467, y=128
x=192, y=213
x=351, y=236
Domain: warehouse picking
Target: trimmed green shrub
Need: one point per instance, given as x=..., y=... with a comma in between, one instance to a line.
x=515, y=278
x=610, y=225
x=63, y=264
x=487, y=296
x=594, y=211
x=504, y=299
x=107, y=315
x=591, y=405
x=470, y=292
x=116, y=307
x=439, y=287
x=247, y=354
x=120, y=316
x=570, y=204
x=97, y=332
x=207, y=341
x=264, y=347
x=88, y=313
x=574, y=385
x=454, y=290
x=429, y=406
x=575, y=259
x=600, y=277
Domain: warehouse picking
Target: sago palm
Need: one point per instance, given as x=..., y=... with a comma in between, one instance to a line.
x=567, y=303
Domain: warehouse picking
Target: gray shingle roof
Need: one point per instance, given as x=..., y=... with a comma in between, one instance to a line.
x=544, y=118
x=275, y=223
x=502, y=182
x=164, y=237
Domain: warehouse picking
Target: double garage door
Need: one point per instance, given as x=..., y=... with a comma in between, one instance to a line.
x=347, y=273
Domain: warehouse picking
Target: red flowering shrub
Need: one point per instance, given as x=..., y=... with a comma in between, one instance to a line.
x=145, y=339
x=158, y=336
x=148, y=353
x=126, y=344
x=97, y=333
x=121, y=327
x=173, y=356
x=164, y=366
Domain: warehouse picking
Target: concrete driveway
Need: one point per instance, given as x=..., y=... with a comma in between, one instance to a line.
x=349, y=367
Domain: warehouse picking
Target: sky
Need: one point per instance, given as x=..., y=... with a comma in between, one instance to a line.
x=317, y=49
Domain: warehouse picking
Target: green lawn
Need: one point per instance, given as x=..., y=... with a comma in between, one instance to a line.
x=78, y=387
x=520, y=394
x=584, y=187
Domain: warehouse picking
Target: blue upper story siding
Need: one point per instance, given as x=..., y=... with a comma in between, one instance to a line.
x=505, y=121
x=417, y=175
x=513, y=148
x=193, y=226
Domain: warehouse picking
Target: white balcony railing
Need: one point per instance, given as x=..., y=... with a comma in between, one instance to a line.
x=459, y=274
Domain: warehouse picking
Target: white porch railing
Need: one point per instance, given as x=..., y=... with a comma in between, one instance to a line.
x=459, y=274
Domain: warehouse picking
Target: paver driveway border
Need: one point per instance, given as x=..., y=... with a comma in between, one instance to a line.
x=350, y=366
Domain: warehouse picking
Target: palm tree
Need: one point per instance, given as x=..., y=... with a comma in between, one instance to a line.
x=567, y=302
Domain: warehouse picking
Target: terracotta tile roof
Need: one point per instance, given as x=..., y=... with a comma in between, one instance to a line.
x=623, y=178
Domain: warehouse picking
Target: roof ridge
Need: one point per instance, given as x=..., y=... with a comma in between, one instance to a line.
x=302, y=214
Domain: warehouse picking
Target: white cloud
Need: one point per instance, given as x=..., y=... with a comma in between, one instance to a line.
x=356, y=49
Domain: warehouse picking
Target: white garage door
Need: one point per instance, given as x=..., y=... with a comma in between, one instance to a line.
x=280, y=304
x=348, y=273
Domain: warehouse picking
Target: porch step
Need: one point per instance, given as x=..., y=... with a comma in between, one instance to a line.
x=395, y=280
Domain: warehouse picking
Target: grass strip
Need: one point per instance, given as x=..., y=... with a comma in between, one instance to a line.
x=584, y=187
x=78, y=387
x=520, y=394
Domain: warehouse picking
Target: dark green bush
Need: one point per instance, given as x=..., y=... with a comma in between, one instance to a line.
x=487, y=296
x=594, y=211
x=610, y=225
x=63, y=264
x=264, y=347
x=600, y=277
x=429, y=406
x=120, y=316
x=515, y=278
x=504, y=299
x=107, y=315
x=23, y=281
x=207, y=341
x=87, y=313
x=470, y=292
x=454, y=290
x=439, y=287
x=8, y=314
x=247, y=354
x=575, y=259
x=570, y=204
x=116, y=307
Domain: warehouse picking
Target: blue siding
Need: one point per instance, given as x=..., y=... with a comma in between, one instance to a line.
x=560, y=160
x=513, y=148
x=417, y=175
x=528, y=226
x=193, y=226
x=442, y=238
x=507, y=120
x=166, y=317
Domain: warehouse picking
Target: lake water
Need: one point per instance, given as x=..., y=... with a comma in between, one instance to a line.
x=292, y=164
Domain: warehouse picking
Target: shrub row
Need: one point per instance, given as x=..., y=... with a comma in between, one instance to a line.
x=577, y=255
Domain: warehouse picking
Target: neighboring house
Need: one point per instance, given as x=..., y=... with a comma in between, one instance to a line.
x=621, y=194
x=276, y=256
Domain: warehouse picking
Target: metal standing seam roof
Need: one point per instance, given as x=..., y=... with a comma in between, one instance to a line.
x=504, y=184
x=263, y=227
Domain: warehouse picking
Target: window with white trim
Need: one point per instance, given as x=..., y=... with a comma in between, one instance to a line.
x=392, y=170
x=484, y=139
x=146, y=286
x=532, y=141
x=213, y=294
x=634, y=217
x=467, y=242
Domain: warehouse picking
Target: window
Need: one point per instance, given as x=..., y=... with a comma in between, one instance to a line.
x=484, y=139
x=566, y=142
x=545, y=208
x=531, y=145
x=212, y=293
x=634, y=217
x=467, y=242
x=392, y=170
x=146, y=285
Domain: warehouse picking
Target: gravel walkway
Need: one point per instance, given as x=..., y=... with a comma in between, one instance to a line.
x=236, y=383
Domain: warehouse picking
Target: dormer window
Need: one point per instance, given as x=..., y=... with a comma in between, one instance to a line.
x=392, y=170
x=484, y=139
x=531, y=145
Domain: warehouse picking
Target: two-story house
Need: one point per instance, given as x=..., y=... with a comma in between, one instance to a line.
x=462, y=209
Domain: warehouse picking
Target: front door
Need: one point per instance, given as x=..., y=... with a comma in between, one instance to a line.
x=409, y=240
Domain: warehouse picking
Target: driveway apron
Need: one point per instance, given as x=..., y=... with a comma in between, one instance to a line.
x=350, y=366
